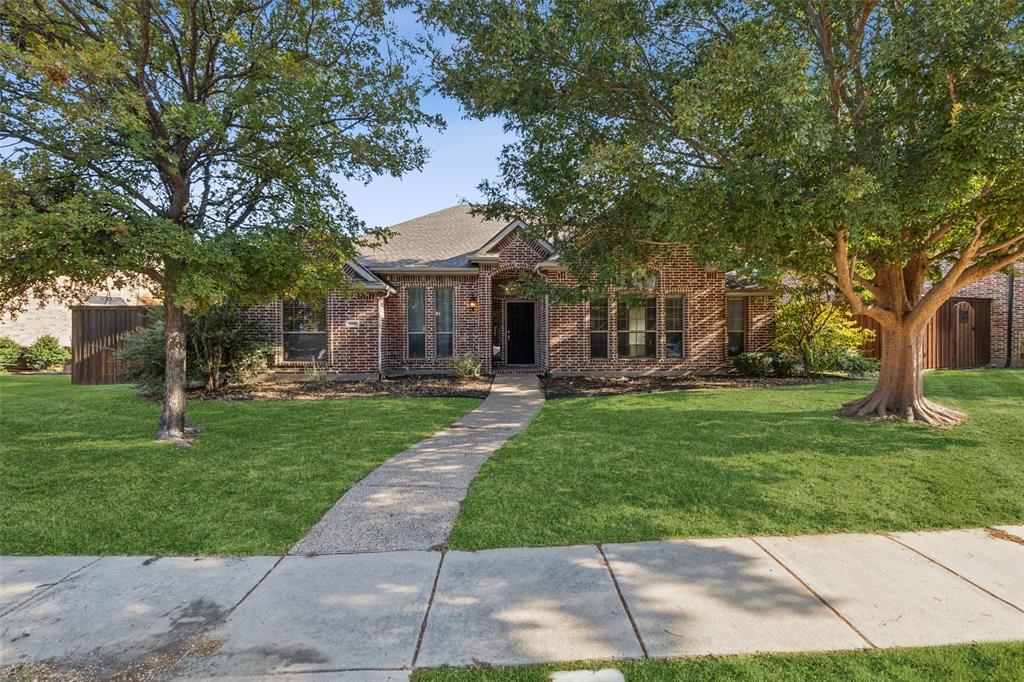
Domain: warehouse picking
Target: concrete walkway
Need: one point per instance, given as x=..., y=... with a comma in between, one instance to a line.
x=378, y=616
x=411, y=501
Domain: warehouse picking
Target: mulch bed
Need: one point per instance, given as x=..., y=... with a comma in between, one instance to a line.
x=404, y=387
x=589, y=386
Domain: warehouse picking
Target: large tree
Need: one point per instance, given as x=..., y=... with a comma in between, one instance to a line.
x=884, y=139
x=197, y=145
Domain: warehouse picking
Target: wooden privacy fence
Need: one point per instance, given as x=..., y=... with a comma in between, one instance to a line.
x=957, y=336
x=97, y=335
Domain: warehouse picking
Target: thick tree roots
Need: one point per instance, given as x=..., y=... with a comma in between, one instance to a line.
x=919, y=409
x=178, y=436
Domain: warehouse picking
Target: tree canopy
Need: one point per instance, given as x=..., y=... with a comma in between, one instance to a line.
x=880, y=141
x=196, y=144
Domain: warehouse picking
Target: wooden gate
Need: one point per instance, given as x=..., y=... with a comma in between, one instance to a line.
x=964, y=335
x=97, y=336
x=957, y=337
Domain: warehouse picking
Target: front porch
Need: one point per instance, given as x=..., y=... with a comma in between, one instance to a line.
x=518, y=328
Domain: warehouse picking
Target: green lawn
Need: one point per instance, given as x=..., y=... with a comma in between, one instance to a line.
x=82, y=475
x=990, y=662
x=732, y=462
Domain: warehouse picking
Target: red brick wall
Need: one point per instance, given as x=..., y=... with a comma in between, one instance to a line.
x=996, y=287
x=351, y=332
x=469, y=325
x=515, y=256
x=760, y=323
x=563, y=332
x=704, y=350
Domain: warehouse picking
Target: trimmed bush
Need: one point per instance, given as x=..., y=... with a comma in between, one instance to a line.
x=10, y=353
x=46, y=354
x=786, y=364
x=753, y=364
x=467, y=365
x=856, y=365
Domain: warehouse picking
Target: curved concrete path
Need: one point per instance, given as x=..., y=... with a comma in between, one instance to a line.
x=411, y=501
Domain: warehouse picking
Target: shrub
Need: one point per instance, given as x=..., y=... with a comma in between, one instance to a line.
x=856, y=365
x=46, y=353
x=10, y=353
x=467, y=365
x=813, y=323
x=216, y=345
x=786, y=364
x=142, y=357
x=248, y=364
x=753, y=364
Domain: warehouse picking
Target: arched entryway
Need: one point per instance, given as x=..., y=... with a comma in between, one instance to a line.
x=517, y=323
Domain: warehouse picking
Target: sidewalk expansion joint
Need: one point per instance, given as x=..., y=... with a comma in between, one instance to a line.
x=48, y=586
x=622, y=600
x=947, y=568
x=426, y=614
x=816, y=595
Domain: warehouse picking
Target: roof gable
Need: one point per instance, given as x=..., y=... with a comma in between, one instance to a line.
x=449, y=239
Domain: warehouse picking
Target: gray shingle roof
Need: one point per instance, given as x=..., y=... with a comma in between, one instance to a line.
x=443, y=239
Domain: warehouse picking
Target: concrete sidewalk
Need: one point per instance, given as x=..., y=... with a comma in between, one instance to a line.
x=378, y=616
x=411, y=501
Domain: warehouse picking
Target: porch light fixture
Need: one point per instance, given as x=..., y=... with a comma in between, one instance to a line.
x=473, y=304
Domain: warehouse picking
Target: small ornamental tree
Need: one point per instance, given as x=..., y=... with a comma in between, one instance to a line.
x=884, y=140
x=195, y=146
x=813, y=322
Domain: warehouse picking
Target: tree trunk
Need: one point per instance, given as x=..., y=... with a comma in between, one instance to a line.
x=172, y=418
x=899, y=392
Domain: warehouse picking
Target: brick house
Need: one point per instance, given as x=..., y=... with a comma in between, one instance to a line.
x=439, y=289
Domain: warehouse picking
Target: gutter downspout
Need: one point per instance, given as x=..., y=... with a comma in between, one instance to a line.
x=380, y=335
x=547, y=332
x=1009, y=324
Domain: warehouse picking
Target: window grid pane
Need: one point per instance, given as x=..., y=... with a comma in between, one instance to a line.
x=444, y=321
x=674, y=327
x=599, y=328
x=299, y=316
x=638, y=326
x=737, y=314
x=303, y=331
x=737, y=325
x=444, y=313
x=416, y=318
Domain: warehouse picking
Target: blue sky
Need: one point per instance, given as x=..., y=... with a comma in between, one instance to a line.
x=461, y=156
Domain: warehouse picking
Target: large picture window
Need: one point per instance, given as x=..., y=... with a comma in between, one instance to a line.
x=674, y=326
x=444, y=324
x=737, y=324
x=638, y=329
x=599, y=328
x=304, y=331
x=416, y=321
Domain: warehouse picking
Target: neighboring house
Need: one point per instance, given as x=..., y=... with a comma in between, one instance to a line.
x=439, y=289
x=54, y=319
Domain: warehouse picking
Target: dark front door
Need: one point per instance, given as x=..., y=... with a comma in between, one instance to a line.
x=520, y=333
